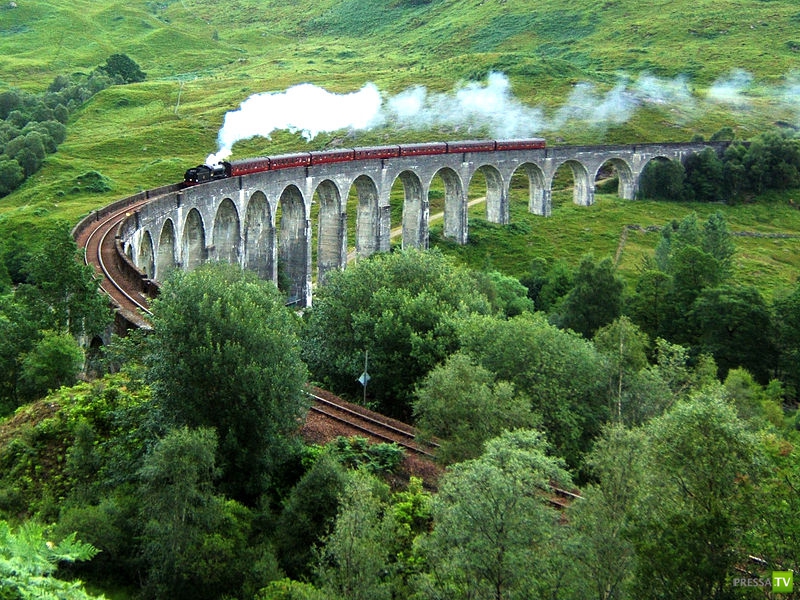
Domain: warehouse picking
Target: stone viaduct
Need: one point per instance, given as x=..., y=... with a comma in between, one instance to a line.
x=266, y=221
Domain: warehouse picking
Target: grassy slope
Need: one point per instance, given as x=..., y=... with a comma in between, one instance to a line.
x=141, y=136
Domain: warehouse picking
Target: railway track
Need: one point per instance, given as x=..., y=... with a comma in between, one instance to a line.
x=373, y=425
x=99, y=243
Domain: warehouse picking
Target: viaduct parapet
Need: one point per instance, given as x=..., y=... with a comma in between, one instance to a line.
x=266, y=221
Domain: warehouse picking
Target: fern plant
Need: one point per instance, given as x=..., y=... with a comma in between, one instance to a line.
x=28, y=562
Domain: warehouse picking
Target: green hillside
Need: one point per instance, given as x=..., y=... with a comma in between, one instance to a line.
x=736, y=61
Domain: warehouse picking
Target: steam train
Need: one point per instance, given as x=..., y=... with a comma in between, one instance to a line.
x=223, y=170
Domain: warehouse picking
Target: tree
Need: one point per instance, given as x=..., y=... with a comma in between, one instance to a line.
x=224, y=353
x=692, y=512
x=506, y=294
x=560, y=372
x=123, y=68
x=624, y=345
x=9, y=101
x=734, y=326
x=55, y=360
x=61, y=293
x=675, y=236
x=718, y=242
x=775, y=532
x=673, y=367
x=492, y=524
x=56, y=293
x=595, y=298
x=704, y=176
x=194, y=542
x=28, y=150
x=401, y=308
x=11, y=175
x=787, y=335
x=734, y=173
x=307, y=514
x=548, y=284
x=177, y=487
x=663, y=180
x=725, y=134
x=649, y=306
x=693, y=271
x=772, y=161
x=353, y=560
x=600, y=554
x=461, y=403
x=751, y=400
x=287, y=589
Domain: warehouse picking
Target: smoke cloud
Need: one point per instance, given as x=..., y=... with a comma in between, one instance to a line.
x=475, y=108
x=730, y=90
x=790, y=95
x=306, y=108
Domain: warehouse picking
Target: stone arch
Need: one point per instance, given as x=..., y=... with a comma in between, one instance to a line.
x=539, y=189
x=455, y=206
x=627, y=182
x=583, y=186
x=165, y=258
x=292, y=245
x=193, y=246
x=331, y=230
x=367, y=216
x=415, y=211
x=226, y=234
x=496, y=197
x=146, y=261
x=259, y=237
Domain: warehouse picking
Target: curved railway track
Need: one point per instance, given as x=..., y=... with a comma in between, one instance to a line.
x=99, y=243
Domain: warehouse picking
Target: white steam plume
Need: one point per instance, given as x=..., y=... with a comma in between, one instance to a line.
x=790, y=95
x=306, y=108
x=731, y=89
x=481, y=107
x=587, y=105
x=491, y=106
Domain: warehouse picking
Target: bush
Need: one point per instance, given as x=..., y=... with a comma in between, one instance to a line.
x=356, y=452
x=663, y=180
x=123, y=68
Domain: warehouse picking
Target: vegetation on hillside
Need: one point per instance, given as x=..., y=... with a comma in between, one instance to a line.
x=33, y=125
x=148, y=465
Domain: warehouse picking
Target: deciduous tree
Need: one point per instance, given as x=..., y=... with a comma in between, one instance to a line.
x=401, y=308
x=224, y=353
x=693, y=508
x=734, y=326
x=492, y=524
x=353, y=563
x=595, y=298
x=461, y=403
x=55, y=360
x=561, y=373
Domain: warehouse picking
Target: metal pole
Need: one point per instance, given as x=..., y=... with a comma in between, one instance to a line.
x=366, y=360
